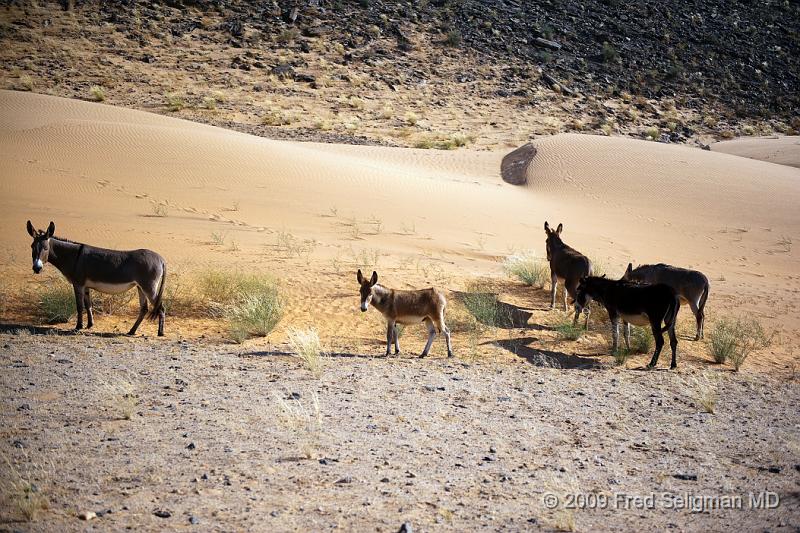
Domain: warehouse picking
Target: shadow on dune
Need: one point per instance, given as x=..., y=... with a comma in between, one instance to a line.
x=546, y=358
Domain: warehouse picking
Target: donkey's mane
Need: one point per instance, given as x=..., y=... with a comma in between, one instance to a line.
x=62, y=239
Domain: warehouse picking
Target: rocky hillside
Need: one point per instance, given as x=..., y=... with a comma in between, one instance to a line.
x=437, y=74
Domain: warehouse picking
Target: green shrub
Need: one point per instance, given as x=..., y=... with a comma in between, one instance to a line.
x=641, y=340
x=531, y=270
x=481, y=303
x=734, y=339
x=97, y=93
x=255, y=310
x=57, y=302
x=567, y=330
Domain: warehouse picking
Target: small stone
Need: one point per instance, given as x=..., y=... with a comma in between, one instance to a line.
x=87, y=515
x=101, y=514
x=161, y=513
x=406, y=528
x=685, y=477
x=193, y=520
x=774, y=470
x=492, y=449
x=191, y=446
x=385, y=480
x=345, y=480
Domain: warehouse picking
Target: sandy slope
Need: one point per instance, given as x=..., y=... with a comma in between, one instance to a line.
x=781, y=150
x=98, y=171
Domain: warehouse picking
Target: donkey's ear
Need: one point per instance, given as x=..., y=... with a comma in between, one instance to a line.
x=603, y=276
x=31, y=231
x=374, y=278
x=559, y=228
x=629, y=269
x=546, y=227
x=51, y=229
x=360, y=277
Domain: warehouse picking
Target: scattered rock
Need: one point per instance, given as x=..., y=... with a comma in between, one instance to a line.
x=190, y=446
x=87, y=515
x=406, y=528
x=193, y=520
x=685, y=477
x=161, y=513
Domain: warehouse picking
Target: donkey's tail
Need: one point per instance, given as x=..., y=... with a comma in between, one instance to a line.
x=671, y=316
x=702, y=304
x=158, y=305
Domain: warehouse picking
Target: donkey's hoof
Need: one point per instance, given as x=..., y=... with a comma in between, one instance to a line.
x=450, y=354
x=651, y=366
x=132, y=332
x=673, y=367
x=160, y=333
x=423, y=355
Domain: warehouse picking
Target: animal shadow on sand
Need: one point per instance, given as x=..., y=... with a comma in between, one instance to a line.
x=546, y=358
x=14, y=329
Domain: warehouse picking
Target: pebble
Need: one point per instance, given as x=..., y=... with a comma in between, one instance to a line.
x=161, y=513
x=87, y=515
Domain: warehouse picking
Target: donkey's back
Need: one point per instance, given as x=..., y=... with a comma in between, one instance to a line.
x=691, y=286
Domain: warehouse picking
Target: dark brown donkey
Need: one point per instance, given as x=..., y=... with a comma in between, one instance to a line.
x=405, y=307
x=635, y=304
x=108, y=271
x=692, y=286
x=567, y=265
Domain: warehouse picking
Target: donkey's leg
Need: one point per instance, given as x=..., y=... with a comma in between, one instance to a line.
x=627, y=332
x=444, y=329
x=389, y=335
x=431, y=336
x=698, y=315
x=553, y=289
x=79, y=306
x=614, y=334
x=658, y=335
x=161, y=315
x=87, y=302
x=142, y=310
x=673, y=343
x=396, y=340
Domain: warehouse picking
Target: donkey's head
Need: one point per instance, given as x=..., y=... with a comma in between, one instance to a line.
x=553, y=238
x=589, y=288
x=40, y=248
x=366, y=288
x=634, y=275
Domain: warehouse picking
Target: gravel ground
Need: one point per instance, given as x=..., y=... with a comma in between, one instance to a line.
x=233, y=438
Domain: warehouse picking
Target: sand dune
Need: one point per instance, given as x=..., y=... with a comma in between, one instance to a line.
x=98, y=171
x=780, y=150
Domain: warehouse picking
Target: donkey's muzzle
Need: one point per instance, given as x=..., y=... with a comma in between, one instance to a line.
x=37, y=266
x=363, y=308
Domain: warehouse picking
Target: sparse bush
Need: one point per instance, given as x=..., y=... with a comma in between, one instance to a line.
x=276, y=117
x=652, y=133
x=567, y=330
x=306, y=345
x=97, y=93
x=110, y=304
x=620, y=355
x=175, y=102
x=25, y=83
x=256, y=311
x=609, y=53
x=641, y=340
x=305, y=423
x=704, y=390
x=160, y=209
x=734, y=339
x=528, y=268
x=218, y=238
x=23, y=487
x=411, y=118
x=453, y=38
x=57, y=301
x=120, y=396
x=209, y=103
x=482, y=303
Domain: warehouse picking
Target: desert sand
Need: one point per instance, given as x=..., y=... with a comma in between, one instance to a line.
x=776, y=149
x=206, y=197
x=100, y=172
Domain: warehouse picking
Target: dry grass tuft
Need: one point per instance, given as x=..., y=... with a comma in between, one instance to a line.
x=531, y=270
x=23, y=486
x=306, y=345
x=304, y=422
